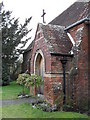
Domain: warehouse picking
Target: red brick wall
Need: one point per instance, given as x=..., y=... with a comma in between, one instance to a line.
x=40, y=44
x=56, y=66
x=53, y=68
x=80, y=88
x=51, y=91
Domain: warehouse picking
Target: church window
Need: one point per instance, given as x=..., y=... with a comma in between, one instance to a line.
x=38, y=35
x=39, y=70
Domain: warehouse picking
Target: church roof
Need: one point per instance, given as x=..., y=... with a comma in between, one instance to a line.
x=56, y=39
x=29, y=47
x=77, y=11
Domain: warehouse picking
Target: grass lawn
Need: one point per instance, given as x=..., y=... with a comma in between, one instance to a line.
x=11, y=91
x=26, y=111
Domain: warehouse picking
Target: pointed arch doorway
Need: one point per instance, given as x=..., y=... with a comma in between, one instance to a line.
x=39, y=69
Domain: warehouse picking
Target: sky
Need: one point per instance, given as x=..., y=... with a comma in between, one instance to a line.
x=23, y=9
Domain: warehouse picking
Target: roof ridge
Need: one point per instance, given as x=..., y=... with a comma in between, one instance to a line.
x=83, y=1
x=49, y=24
x=55, y=25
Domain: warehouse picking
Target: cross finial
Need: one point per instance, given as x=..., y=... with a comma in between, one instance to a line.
x=43, y=15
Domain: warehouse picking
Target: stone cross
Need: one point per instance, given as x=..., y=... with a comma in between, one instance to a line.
x=43, y=15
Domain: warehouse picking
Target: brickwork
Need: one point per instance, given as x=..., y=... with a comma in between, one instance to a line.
x=26, y=60
x=51, y=90
x=62, y=38
x=40, y=45
x=53, y=68
x=55, y=62
x=76, y=68
x=80, y=78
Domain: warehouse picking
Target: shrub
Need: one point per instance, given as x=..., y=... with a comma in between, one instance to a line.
x=22, y=80
x=29, y=80
x=34, y=80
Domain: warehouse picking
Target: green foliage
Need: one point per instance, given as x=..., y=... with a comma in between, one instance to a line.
x=5, y=75
x=16, y=69
x=34, y=80
x=29, y=80
x=13, y=35
x=22, y=78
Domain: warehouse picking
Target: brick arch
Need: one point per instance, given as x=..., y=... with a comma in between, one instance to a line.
x=39, y=57
x=39, y=68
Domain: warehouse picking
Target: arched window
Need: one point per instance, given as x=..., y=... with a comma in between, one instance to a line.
x=39, y=67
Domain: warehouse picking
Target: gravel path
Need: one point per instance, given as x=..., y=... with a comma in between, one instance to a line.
x=18, y=101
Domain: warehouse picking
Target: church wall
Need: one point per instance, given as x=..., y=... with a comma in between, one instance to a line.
x=52, y=69
x=80, y=61
x=48, y=89
x=54, y=81
x=52, y=88
x=40, y=45
x=26, y=60
x=77, y=77
x=56, y=66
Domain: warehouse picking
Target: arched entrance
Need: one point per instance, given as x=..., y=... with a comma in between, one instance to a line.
x=39, y=69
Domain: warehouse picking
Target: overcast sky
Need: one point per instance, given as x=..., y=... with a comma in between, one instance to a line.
x=26, y=8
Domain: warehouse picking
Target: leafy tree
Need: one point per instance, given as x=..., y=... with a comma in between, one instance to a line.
x=22, y=80
x=13, y=35
x=5, y=75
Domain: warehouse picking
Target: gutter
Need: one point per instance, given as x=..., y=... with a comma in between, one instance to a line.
x=62, y=54
x=86, y=20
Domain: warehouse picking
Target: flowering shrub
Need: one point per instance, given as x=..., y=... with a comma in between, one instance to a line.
x=34, y=80
x=22, y=80
x=29, y=80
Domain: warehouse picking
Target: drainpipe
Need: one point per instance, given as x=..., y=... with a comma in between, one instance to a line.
x=64, y=61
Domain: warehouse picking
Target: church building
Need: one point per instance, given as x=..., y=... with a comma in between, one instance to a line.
x=59, y=53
